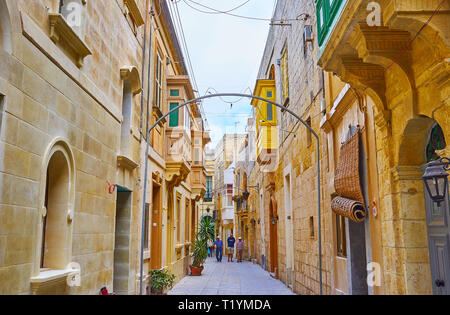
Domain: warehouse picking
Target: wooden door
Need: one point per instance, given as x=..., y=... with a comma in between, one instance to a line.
x=273, y=236
x=156, y=237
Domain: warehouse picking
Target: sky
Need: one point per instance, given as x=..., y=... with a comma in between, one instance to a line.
x=226, y=53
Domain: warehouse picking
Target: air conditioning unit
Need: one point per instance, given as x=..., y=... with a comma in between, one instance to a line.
x=308, y=34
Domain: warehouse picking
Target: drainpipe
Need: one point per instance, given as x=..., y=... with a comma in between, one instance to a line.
x=141, y=123
x=144, y=49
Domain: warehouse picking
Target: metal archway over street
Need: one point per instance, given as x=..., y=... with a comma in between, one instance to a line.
x=242, y=96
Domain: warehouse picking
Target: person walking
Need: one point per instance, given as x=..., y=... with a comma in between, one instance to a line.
x=210, y=248
x=218, y=244
x=230, y=242
x=240, y=250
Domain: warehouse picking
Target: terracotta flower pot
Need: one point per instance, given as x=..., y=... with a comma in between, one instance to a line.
x=196, y=271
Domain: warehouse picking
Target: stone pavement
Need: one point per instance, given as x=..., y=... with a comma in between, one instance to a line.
x=231, y=279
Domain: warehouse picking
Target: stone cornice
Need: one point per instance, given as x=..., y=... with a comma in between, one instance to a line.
x=134, y=11
x=61, y=31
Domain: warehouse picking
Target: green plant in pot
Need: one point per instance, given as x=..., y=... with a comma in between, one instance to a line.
x=162, y=281
x=200, y=251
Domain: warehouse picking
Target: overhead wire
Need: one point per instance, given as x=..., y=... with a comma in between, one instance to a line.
x=232, y=14
x=223, y=12
x=181, y=36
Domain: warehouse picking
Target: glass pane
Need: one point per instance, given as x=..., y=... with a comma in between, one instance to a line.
x=441, y=186
x=436, y=142
x=269, y=112
x=432, y=186
x=174, y=117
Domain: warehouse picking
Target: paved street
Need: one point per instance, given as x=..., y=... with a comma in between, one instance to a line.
x=231, y=279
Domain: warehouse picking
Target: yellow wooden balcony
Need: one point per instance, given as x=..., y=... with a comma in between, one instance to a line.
x=267, y=144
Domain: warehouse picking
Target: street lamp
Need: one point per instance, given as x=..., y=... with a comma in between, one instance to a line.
x=436, y=179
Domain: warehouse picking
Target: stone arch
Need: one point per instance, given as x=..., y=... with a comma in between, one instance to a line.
x=5, y=27
x=412, y=151
x=431, y=33
x=56, y=207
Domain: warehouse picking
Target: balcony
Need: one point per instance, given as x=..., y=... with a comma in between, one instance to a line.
x=228, y=213
x=267, y=145
x=178, y=165
x=198, y=181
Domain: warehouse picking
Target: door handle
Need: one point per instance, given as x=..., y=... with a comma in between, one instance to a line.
x=440, y=283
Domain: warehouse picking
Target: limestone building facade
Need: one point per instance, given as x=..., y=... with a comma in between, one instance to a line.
x=349, y=79
x=78, y=90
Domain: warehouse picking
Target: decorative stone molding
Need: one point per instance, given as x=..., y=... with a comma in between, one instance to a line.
x=177, y=172
x=127, y=163
x=61, y=31
x=132, y=8
x=406, y=173
x=54, y=280
x=131, y=73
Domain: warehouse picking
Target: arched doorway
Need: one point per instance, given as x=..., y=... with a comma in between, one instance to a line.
x=438, y=225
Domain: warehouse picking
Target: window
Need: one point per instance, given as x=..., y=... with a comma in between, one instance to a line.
x=186, y=220
x=208, y=195
x=72, y=11
x=158, y=81
x=174, y=117
x=272, y=73
x=229, y=195
x=327, y=11
x=197, y=156
x=285, y=73
x=269, y=111
x=341, y=236
x=174, y=93
x=178, y=208
x=308, y=133
x=187, y=121
x=436, y=142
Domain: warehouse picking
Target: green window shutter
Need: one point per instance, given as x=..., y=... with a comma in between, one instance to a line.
x=174, y=117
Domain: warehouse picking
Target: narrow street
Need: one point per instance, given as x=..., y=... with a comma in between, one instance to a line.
x=231, y=279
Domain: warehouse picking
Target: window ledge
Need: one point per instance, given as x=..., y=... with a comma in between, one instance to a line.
x=125, y=162
x=61, y=31
x=49, y=278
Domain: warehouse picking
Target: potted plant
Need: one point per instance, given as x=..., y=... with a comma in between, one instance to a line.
x=200, y=250
x=162, y=281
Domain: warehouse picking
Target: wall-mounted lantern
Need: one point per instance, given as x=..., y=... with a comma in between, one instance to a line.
x=436, y=179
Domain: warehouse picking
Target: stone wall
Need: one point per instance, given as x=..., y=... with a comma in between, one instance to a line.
x=48, y=97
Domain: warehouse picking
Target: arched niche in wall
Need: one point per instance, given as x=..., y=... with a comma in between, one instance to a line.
x=56, y=208
x=131, y=87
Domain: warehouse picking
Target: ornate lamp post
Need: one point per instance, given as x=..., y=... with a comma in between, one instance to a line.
x=436, y=179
